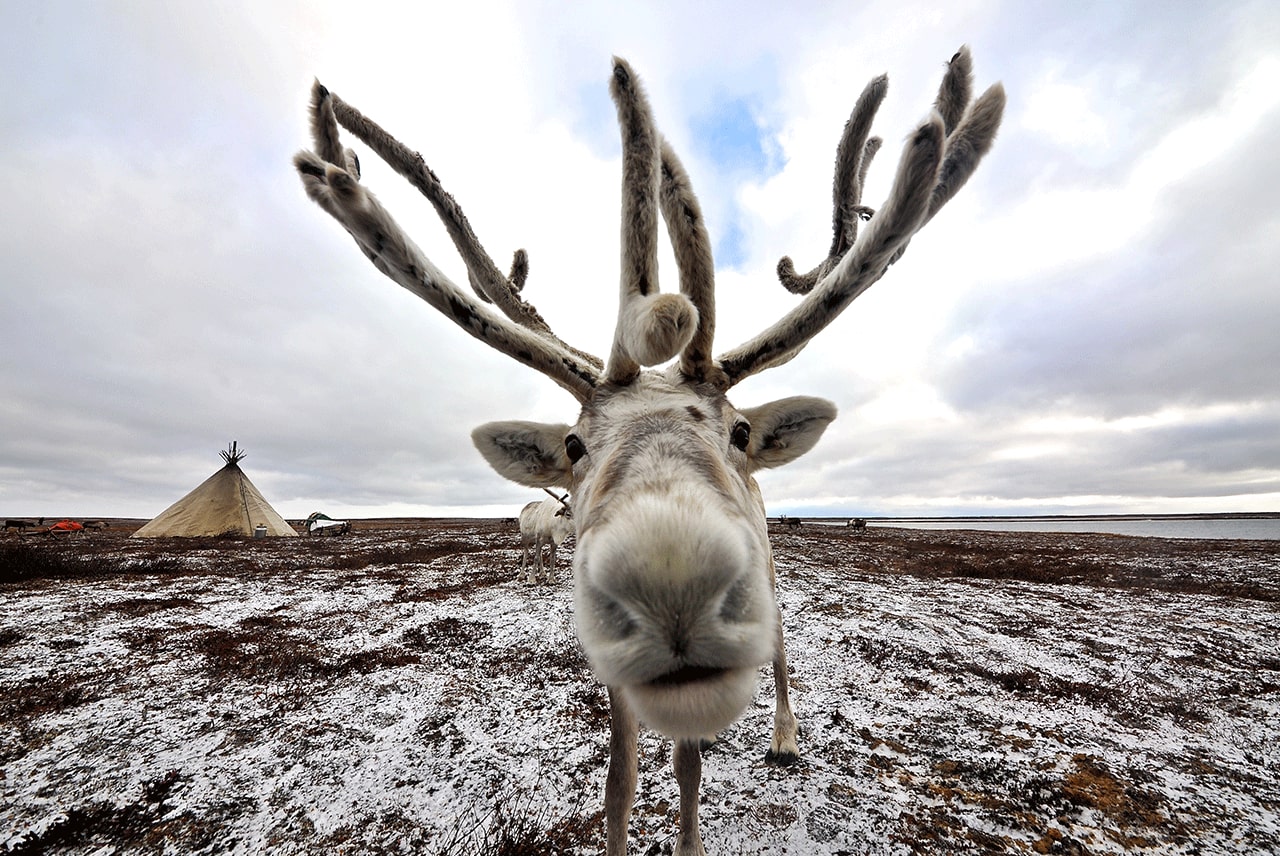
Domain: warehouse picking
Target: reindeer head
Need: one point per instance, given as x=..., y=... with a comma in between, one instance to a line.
x=673, y=576
x=673, y=582
x=562, y=528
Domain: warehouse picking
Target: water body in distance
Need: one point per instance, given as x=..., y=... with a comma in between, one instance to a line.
x=1246, y=527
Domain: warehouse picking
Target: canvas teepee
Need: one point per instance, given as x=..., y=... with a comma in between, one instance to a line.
x=226, y=503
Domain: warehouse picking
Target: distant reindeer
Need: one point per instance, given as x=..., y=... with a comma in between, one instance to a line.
x=857, y=524
x=94, y=524
x=18, y=525
x=793, y=522
x=673, y=573
x=543, y=524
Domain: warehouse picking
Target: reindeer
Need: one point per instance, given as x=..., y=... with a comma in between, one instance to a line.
x=543, y=523
x=673, y=574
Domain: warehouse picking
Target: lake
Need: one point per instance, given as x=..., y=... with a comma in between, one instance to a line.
x=1248, y=528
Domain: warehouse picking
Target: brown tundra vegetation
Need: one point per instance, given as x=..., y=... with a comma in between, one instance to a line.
x=399, y=690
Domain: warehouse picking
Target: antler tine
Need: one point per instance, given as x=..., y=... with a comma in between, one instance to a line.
x=971, y=131
x=519, y=270
x=692, y=246
x=486, y=280
x=652, y=327
x=967, y=145
x=639, y=211
x=339, y=192
x=324, y=126
x=956, y=90
x=853, y=156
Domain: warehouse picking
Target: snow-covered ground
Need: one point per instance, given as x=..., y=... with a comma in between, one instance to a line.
x=397, y=690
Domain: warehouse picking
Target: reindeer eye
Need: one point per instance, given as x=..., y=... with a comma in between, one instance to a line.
x=573, y=448
x=741, y=435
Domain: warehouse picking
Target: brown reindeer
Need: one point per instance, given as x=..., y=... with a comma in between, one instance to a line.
x=673, y=573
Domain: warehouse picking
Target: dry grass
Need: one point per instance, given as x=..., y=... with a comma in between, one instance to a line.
x=396, y=690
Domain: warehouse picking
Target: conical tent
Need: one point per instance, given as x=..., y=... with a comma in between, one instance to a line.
x=226, y=503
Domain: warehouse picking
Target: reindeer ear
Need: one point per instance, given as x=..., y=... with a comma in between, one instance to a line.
x=528, y=453
x=783, y=430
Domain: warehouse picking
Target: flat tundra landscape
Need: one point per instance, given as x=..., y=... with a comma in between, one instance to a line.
x=398, y=690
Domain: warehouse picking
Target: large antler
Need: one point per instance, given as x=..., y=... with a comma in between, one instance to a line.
x=939, y=158
x=331, y=176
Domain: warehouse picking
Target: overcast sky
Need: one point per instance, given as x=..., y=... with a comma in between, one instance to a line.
x=1093, y=325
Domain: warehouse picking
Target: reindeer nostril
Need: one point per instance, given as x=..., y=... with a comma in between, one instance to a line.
x=737, y=604
x=612, y=618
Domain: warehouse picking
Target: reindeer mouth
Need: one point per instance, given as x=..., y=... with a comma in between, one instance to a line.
x=692, y=701
x=687, y=675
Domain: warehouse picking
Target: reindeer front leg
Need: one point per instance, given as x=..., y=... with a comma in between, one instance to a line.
x=687, y=760
x=783, y=750
x=529, y=561
x=620, y=784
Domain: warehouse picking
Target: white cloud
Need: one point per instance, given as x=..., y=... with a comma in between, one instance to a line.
x=1065, y=113
x=1062, y=224
x=1203, y=138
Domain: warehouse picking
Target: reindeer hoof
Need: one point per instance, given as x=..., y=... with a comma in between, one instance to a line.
x=781, y=759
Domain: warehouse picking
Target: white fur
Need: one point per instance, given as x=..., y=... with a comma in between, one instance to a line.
x=670, y=533
x=543, y=525
x=668, y=561
x=673, y=573
x=672, y=564
x=657, y=327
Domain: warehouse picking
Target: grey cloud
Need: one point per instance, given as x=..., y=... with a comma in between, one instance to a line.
x=1164, y=322
x=168, y=288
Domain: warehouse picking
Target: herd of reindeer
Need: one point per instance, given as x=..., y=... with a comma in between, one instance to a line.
x=673, y=576
x=62, y=527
